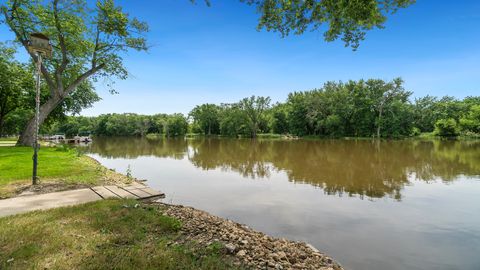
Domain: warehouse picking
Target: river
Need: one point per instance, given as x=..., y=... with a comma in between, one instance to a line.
x=406, y=204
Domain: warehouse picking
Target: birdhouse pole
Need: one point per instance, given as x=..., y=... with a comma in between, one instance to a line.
x=39, y=45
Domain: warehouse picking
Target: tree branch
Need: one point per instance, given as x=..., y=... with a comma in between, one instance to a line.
x=63, y=65
x=24, y=42
x=81, y=78
x=9, y=110
x=95, y=50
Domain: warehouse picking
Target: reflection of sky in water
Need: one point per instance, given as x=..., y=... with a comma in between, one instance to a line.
x=434, y=225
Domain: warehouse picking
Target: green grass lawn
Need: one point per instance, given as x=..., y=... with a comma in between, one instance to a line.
x=109, y=234
x=56, y=164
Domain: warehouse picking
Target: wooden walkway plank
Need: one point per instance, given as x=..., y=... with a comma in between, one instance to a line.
x=104, y=193
x=134, y=191
x=153, y=192
x=140, y=193
x=134, y=185
x=121, y=192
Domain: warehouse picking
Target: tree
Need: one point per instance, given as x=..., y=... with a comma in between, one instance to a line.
x=254, y=109
x=446, y=128
x=348, y=20
x=471, y=121
x=356, y=108
x=296, y=113
x=385, y=94
x=232, y=120
x=159, y=122
x=206, y=116
x=142, y=125
x=15, y=82
x=176, y=125
x=425, y=114
x=87, y=45
x=88, y=40
x=278, y=119
x=398, y=121
x=450, y=107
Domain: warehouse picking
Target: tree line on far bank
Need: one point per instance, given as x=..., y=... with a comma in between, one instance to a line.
x=364, y=108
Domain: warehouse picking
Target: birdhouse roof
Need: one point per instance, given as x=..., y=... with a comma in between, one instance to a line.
x=39, y=35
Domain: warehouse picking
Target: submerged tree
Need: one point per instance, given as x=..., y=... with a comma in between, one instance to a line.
x=87, y=45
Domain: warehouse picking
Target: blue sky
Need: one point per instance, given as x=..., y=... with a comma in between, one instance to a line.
x=214, y=54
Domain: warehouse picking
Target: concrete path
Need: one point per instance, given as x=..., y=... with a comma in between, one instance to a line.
x=23, y=204
x=3, y=143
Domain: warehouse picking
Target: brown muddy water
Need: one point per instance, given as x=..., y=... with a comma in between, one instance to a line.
x=371, y=205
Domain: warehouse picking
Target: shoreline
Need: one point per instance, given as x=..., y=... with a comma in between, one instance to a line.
x=286, y=137
x=246, y=246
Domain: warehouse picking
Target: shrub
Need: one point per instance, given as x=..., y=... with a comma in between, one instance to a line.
x=446, y=128
x=471, y=121
x=415, y=132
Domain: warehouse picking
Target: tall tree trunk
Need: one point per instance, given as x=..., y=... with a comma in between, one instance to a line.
x=3, y=112
x=27, y=138
x=379, y=122
x=1, y=125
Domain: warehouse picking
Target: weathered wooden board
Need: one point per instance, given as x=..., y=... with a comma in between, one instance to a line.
x=121, y=192
x=134, y=185
x=134, y=191
x=104, y=193
x=153, y=192
x=140, y=193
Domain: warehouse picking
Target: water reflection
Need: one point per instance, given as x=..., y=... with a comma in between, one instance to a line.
x=362, y=168
x=432, y=222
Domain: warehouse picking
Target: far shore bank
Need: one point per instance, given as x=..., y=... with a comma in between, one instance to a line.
x=292, y=137
x=10, y=141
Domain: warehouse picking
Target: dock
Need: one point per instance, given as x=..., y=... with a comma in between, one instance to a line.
x=134, y=191
x=31, y=202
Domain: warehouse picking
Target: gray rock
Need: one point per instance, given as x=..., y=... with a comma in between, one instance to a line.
x=312, y=248
x=252, y=249
x=241, y=253
x=281, y=255
x=230, y=248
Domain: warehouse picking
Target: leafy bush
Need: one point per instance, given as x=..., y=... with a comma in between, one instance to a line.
x=333, y=125
x=177, y=125
x=446, y=128
x=415, y=132
x=471, y=121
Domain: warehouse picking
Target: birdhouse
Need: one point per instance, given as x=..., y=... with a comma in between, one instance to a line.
x=39, y=43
